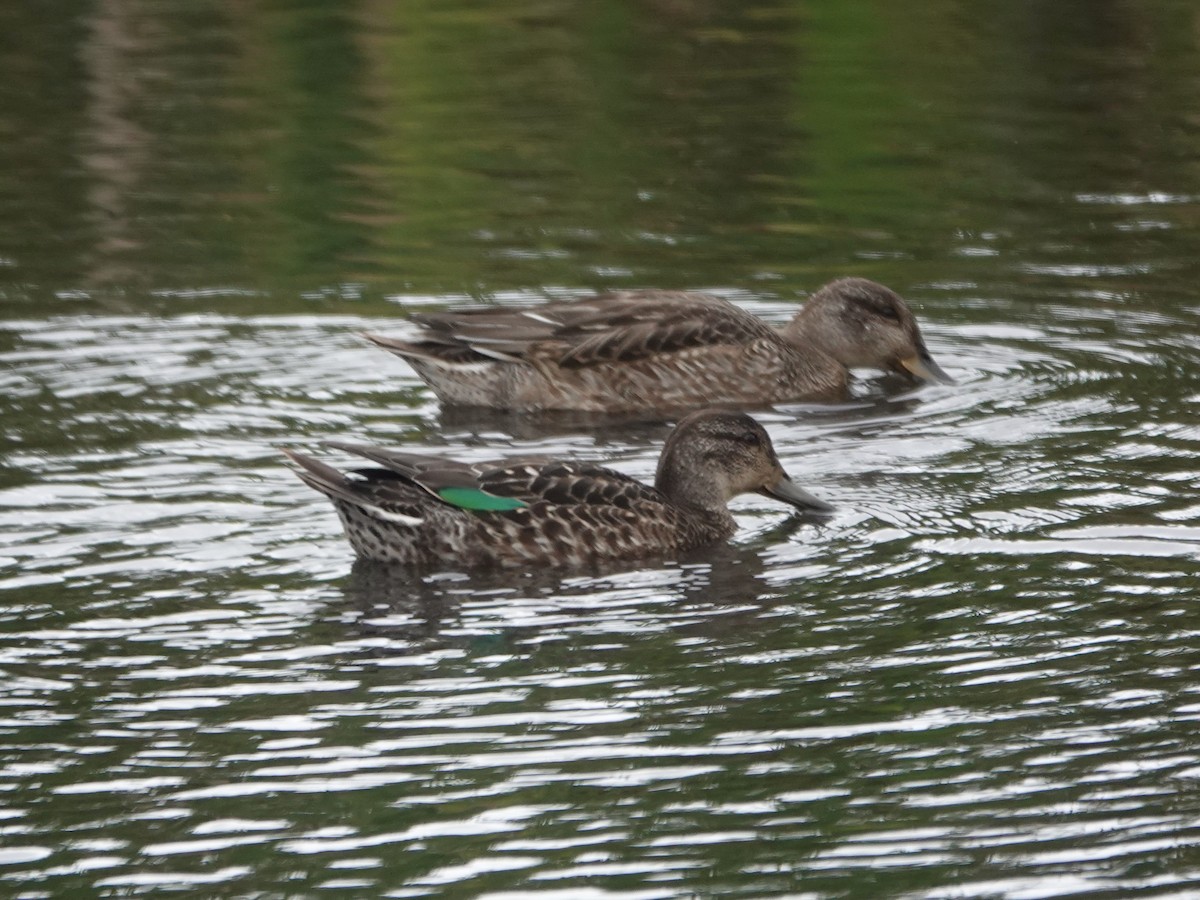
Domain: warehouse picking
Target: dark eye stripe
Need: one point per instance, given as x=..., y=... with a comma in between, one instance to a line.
x=883, y=310
x=741, y=437
x=878, y=306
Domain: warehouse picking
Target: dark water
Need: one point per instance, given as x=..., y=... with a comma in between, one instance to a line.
x=979, y=679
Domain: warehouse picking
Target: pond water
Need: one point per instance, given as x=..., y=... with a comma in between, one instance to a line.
x=979, y=679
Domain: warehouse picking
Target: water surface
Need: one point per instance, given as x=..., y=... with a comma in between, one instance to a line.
x=979, y=679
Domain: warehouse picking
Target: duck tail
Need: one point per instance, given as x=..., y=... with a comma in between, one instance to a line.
x=324, y=478
x=453, y=351
x=404, y=348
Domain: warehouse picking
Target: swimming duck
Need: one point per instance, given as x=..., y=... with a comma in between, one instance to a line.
x=430, y=511
x=643, y=351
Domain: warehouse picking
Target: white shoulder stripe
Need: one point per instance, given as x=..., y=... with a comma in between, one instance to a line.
x=393, y=517
x=538, y=317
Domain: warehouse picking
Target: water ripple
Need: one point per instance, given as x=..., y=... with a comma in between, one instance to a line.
x=980, y=669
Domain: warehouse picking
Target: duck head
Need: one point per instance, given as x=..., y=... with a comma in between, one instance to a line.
x=713, y=456
x=861, y=323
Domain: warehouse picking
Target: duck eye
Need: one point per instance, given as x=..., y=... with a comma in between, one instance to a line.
x=742, y=437
x=876, y=305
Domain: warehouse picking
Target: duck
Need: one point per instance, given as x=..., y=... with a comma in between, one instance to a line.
x=652, y=351
x=432, y=512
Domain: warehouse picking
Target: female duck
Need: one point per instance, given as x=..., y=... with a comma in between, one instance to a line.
x=430, y=511
x=642, y=351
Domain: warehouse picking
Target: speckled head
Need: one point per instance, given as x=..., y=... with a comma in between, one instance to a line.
x=715, y=455
x=860, y=322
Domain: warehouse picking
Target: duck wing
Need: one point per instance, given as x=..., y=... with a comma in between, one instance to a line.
x=510, y=483
x=610, y=328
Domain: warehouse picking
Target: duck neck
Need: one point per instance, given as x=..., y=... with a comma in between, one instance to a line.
x=703, y=498
x=821, y=342
x=806, y=329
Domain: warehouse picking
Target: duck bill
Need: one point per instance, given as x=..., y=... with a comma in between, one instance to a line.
x=789, y=492
x=921, y=365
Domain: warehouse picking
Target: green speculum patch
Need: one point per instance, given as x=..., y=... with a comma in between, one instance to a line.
x=473, y=498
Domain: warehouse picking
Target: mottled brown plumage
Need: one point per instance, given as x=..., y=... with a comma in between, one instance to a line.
x=429, y=511
x=636, y=351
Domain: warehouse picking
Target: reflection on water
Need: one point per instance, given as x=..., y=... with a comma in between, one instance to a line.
x=978, y=679
x=352, y=150
x=700, y=588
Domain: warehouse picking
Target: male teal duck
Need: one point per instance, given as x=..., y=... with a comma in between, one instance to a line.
x=429, y=511
x=644, y=351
